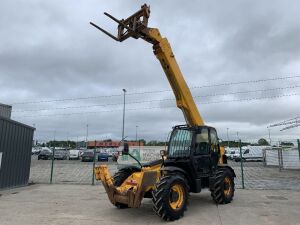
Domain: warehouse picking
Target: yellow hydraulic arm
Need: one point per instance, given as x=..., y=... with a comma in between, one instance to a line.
x=136, y=26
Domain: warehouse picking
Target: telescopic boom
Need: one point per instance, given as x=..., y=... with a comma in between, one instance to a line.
x=136, y=26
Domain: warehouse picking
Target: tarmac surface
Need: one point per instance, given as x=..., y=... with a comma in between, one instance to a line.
x=44, y=204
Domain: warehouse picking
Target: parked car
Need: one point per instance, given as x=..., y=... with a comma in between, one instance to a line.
x=35, y=151
x=103, y=156
x=87, y=156
x=74, y=154
x=232, y=152
x=61, y=154
x=45, y=154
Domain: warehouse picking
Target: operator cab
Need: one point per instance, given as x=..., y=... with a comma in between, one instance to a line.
x=191, y=141
x=194, y=150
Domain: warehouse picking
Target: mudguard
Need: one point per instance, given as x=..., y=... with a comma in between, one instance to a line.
x=228, y=167
x=174, y=169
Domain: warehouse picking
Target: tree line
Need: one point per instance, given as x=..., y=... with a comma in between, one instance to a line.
x=82, y=144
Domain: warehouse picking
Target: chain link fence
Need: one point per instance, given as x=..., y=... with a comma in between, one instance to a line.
x=256, y=167
x=50, y=170
x=266, y=167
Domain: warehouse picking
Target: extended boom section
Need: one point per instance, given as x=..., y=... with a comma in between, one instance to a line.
x=136, y=26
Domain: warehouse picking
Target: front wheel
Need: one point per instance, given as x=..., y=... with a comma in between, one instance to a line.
x=223, y=190
x=170, y=197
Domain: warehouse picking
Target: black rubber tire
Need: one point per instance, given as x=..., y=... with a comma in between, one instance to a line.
x=217, y=193
x=161, y=196
x=119, y=177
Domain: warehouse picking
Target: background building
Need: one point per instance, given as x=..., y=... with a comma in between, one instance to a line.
x=15, y=150
x=112, y=144
x=5, y=111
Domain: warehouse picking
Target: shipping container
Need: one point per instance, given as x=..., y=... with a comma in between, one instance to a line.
x=15, y=153
x=5, y=111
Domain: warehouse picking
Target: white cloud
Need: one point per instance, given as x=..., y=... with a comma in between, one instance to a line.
x=48, y=50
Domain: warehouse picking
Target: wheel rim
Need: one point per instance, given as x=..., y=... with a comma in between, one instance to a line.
x=176, y=198
x=227, y=186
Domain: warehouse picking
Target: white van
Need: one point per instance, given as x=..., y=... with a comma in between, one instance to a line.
x=250, y=153
x=74, y=154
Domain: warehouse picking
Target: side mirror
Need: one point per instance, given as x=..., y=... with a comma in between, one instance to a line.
x=125, y=149
x=163, y=153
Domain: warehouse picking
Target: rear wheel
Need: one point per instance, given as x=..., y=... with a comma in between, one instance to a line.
x=223, y=190
x=170, y=197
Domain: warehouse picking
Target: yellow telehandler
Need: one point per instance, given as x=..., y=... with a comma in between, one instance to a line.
x=194, y=159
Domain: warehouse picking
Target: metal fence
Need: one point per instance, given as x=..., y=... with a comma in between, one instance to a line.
x=261, y=168
x=63, y=171
x=277, y=168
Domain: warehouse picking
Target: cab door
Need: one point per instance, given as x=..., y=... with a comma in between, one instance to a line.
x=202, y=158
x=214, y=148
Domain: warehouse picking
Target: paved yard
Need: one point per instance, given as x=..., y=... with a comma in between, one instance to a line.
x=86, y=204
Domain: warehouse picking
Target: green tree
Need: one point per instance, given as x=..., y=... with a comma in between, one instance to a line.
x=156, y=143
x=284, y=143
x=263, y=141
x=142, y=141
x=64, y=144
x=233, y=144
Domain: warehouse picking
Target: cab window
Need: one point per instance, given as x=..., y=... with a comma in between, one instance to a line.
x=202, y=142
x=180, y=143
x=214, y=141
x=246, y=151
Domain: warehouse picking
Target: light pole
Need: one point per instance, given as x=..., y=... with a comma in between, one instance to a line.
x=33, y=141
x=124, y=91
x=136, y=127
x=227, y=138
x=87, y=134
x=270, y=137
x=77, y=143
x=68, y=139
x=54, y=138
x=52, y=163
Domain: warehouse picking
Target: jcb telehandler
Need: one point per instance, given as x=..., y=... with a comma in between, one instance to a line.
x=193, y=160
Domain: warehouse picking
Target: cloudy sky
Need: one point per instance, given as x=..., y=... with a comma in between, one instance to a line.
x=240, y=58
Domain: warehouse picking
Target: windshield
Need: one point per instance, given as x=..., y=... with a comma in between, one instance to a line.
x=45, y=152
x=59, y=152
x=180, y=143
x=88, y=153
x=74, y=151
